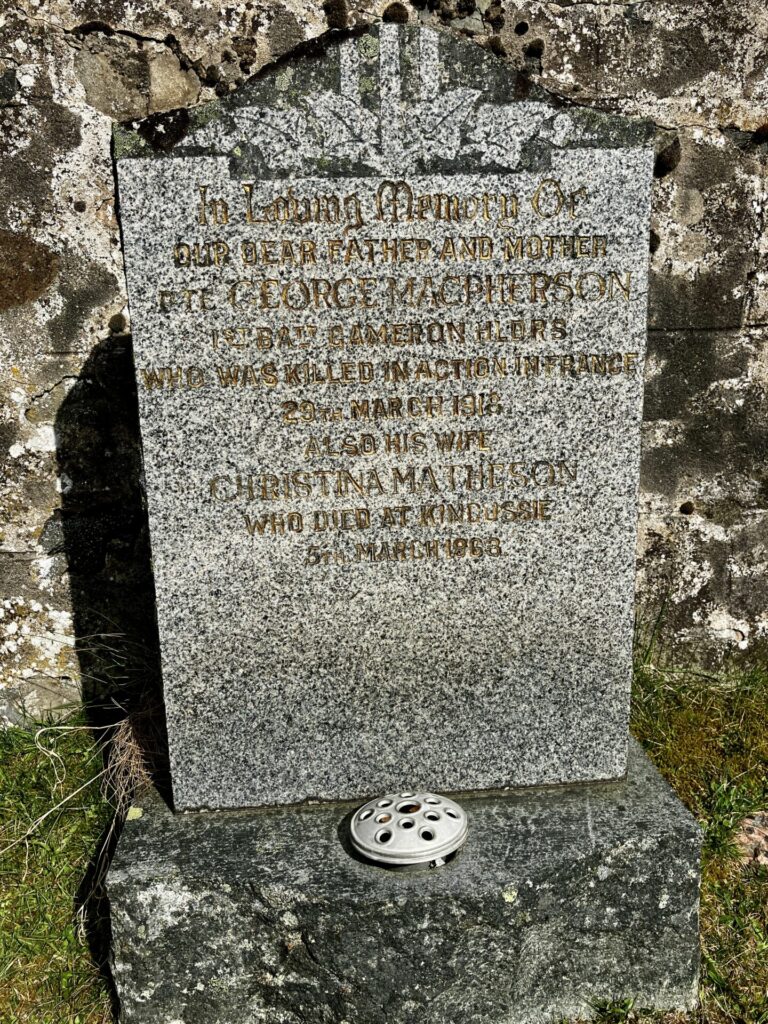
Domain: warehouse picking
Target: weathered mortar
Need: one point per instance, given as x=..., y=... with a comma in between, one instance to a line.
x=73, y=544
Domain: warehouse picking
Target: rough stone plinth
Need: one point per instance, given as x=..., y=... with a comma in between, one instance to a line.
x=560, y=897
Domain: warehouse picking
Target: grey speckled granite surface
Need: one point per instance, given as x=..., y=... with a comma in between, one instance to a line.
x=389, y=328
x=560, y=897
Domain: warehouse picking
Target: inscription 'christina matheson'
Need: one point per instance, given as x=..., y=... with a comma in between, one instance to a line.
x=420, y=479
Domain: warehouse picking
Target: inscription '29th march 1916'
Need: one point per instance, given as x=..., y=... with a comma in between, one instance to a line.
x=391, y=328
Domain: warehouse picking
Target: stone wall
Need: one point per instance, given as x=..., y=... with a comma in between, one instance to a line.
x=77, y=601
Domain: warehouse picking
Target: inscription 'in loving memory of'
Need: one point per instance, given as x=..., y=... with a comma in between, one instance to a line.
x=391, y=325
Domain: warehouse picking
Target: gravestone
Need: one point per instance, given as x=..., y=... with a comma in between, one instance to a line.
x=389, y=328
x=389, y=333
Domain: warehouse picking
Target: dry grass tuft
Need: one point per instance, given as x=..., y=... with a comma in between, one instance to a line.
x=128, y=769
x=64, y=792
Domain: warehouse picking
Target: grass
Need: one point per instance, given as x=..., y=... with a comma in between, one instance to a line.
x=708, y=736
x=47, y=975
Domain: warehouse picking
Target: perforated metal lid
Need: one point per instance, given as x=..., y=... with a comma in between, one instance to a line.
x=409, y=828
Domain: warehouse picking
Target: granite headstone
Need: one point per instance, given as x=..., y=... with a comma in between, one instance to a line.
x=389, y=325
x=389, y=328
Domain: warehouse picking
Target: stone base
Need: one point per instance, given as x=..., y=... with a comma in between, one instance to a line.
x=561, y=897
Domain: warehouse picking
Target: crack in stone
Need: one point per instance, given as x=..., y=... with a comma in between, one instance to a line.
x=169, y=41
x=47, y=391
x=565, y=4
x=703, y=330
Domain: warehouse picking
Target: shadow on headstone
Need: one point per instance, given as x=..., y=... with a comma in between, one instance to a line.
x=103, y=526
x=106, y=543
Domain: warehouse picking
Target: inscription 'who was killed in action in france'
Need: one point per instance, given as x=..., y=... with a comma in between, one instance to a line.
x=389, y=329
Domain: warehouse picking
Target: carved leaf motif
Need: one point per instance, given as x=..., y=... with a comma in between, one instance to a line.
x=278, y=132
x=216, y=134
x=282, y=134
x=439, y=123
x=499, y=132
x=348, y=128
